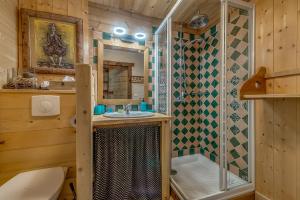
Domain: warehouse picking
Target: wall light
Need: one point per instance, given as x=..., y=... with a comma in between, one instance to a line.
x=140, y=36
x=119, y=31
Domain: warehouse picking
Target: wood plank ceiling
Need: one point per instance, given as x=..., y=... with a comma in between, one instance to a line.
x=191, y=7
x=149, y=8
x=158, y=9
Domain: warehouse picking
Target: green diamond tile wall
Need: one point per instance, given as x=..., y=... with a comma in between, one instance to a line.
x=162, y=81
x=237, y=110
x=210, y=93
x=196, y=126
x=185, y=125
x=151, y=73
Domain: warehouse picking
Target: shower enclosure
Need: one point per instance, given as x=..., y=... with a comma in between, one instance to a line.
x=204, y=53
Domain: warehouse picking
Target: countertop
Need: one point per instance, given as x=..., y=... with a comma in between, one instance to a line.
x=100, y=120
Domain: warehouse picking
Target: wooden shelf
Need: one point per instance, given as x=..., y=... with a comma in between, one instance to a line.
x=290, y=72
x=270, y=96
x=37, y=91
x=255, y=87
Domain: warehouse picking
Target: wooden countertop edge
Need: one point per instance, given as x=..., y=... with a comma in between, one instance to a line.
x=100, y=120
x=37, y=91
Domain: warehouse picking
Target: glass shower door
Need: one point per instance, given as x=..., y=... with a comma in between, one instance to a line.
x=237, y=68
x=162, y=69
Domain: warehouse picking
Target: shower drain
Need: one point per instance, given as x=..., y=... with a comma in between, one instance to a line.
x=173, y=172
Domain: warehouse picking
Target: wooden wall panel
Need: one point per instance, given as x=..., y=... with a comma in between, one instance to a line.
x=264, y=147
x=60, y=7
x=265, y=37
x=44, y=5
x=298, y=151
x=36, y=142
x=278, y=121
x=264, y=109
x=285, y=129
x=8, y=39
x=285, y=34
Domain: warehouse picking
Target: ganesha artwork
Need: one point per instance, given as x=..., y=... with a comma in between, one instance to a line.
x=54, y=47
x=51, y=43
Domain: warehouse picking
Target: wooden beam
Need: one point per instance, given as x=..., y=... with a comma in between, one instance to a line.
x=100, y=68
x=84, y=132
x=165, y=159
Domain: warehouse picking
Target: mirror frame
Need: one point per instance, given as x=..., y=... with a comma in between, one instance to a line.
x=100, y=99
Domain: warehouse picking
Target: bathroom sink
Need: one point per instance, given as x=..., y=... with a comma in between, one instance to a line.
x=132, y=114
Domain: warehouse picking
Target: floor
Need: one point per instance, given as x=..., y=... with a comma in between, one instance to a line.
x=198, y=177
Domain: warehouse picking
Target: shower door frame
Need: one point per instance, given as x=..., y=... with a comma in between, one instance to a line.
x=225, y=192
x=167, y=22
x=250, y=7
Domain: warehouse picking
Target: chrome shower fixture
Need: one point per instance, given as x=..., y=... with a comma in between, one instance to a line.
x=199, y=21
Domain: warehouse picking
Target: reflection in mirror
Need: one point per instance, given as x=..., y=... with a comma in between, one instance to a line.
x=123, y=73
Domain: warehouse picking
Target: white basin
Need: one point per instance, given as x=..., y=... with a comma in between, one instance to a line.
x=132, y=114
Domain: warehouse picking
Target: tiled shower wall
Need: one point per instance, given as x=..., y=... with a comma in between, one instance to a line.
x=196, y=124
x=186, y=125
x=210, y=88
x=237, y=110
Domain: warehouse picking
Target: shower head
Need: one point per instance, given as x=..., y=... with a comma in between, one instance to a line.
x=199, y=21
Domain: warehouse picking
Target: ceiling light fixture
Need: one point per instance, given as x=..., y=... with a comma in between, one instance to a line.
x=140, y=36
x=119, y=31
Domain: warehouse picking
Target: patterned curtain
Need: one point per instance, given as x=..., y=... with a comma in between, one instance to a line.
x=127, y=163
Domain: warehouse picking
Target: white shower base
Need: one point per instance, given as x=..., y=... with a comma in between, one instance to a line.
x=198, y=177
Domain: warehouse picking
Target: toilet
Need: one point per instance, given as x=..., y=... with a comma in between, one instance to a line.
x=42, y=184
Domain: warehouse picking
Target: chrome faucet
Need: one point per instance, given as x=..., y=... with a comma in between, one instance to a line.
x=127, y=108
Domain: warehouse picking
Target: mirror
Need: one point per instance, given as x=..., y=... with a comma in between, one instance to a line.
x=121, y=72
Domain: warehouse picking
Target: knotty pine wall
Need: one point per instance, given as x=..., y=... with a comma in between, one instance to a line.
x=278, y=120
x=8, y=39
x=74, y=8
x=28, y=142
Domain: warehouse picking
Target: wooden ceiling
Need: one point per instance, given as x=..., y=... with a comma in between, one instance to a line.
x=149, y=8
x=158, y=9
x=189, y=8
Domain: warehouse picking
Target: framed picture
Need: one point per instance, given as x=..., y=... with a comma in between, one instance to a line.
x=137, y=79
x=51, y=43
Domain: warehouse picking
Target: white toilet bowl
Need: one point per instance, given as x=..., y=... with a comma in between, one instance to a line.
x=42, y=184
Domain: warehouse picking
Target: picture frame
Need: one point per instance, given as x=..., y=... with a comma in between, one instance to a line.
x=137, y=79
x=51, y=43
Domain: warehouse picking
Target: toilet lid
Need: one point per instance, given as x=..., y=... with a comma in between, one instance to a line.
x=34, y=185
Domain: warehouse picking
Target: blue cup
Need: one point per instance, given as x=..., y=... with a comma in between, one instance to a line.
x=99, y=109
x=110, y=110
